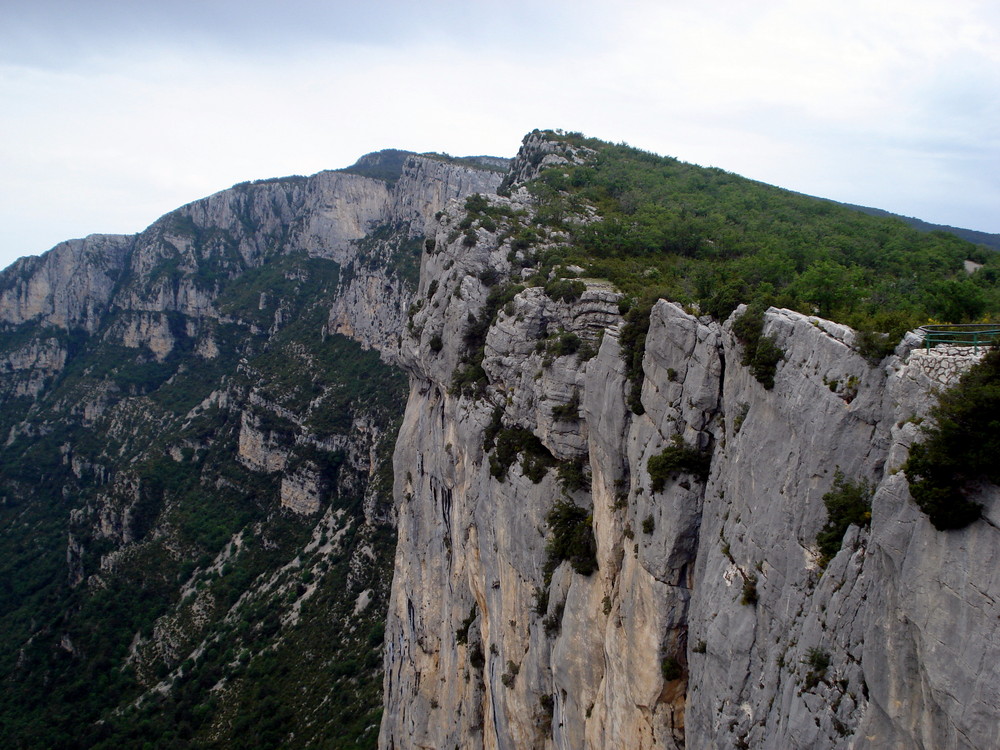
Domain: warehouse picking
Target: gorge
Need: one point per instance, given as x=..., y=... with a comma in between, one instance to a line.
x=409, y=454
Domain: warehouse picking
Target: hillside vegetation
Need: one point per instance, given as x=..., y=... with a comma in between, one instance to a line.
x=191, y=609
x=704, y=236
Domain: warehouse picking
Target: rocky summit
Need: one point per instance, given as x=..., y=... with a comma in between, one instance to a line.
x=543, y=453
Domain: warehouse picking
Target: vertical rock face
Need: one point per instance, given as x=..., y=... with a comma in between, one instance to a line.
x=708, y=620
x=195, y=449
x=569, y=573
x=68, y=286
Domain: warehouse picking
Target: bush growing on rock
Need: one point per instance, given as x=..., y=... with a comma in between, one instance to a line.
x=818, y=661
x=565, y=290
x=846, y=503
x=677, y=459
x=961, y=448
x=760, y=353
x=510, y=442
x=671, y=669
x=572, y=539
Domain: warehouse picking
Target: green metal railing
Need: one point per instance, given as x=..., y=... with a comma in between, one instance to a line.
x=970, y=334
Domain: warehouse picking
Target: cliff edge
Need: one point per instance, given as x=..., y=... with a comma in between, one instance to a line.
x=572, y=574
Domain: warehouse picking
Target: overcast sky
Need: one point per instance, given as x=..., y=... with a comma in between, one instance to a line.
x=113, y=112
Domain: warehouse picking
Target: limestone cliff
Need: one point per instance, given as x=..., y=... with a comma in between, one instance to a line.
x=708, y=620
x=196, y=536
x=179, y=263
x=195, y=451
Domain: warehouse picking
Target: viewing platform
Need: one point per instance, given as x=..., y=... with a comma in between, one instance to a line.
x=975, y=335
x=947, y=351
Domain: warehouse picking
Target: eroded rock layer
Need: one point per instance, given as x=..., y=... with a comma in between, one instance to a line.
x=701, y=614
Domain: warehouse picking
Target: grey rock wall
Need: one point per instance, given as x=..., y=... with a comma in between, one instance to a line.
x=80, y=284
x=709, y=621
x=70, y=286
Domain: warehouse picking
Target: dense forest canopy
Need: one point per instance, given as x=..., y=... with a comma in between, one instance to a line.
x=708, y=237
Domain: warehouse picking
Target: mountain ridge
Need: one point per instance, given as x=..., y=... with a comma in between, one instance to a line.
x=454, y=395
x=375, y=158
x=585, y=561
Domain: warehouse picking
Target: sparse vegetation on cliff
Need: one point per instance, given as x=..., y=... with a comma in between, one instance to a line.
x=571, y=538
x=960, y=449
x=677, y=458
x=848, y=502
x=512, y=442
x=706, y=236
x=760, y=353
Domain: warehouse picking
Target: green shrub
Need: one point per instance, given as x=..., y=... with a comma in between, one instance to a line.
x=469, y=378
x=760, y=353
x=818, y=661
x=961, y=448
x=587, y=351
x=565, y=290
x=476, y=203
x=677, y=459
x=671, y=669
x=572, y=539
x=565, y=343
x=510, y=442
x=648, y=524
x=749, y=593
x=490, y=276
x=525, y=238
x=846, y=503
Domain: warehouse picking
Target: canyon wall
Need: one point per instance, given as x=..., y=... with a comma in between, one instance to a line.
x=706, y=617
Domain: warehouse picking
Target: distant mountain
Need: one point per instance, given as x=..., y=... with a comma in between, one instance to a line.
x=196, y=535
x=991, y=241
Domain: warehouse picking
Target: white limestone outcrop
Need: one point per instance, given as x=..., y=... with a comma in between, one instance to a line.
x=709, y=621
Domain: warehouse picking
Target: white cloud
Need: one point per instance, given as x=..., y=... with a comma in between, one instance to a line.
x=891, y=104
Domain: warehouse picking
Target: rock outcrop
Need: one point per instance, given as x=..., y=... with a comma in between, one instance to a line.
x=580, y=563
x=708, y=618
x=196, y=449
